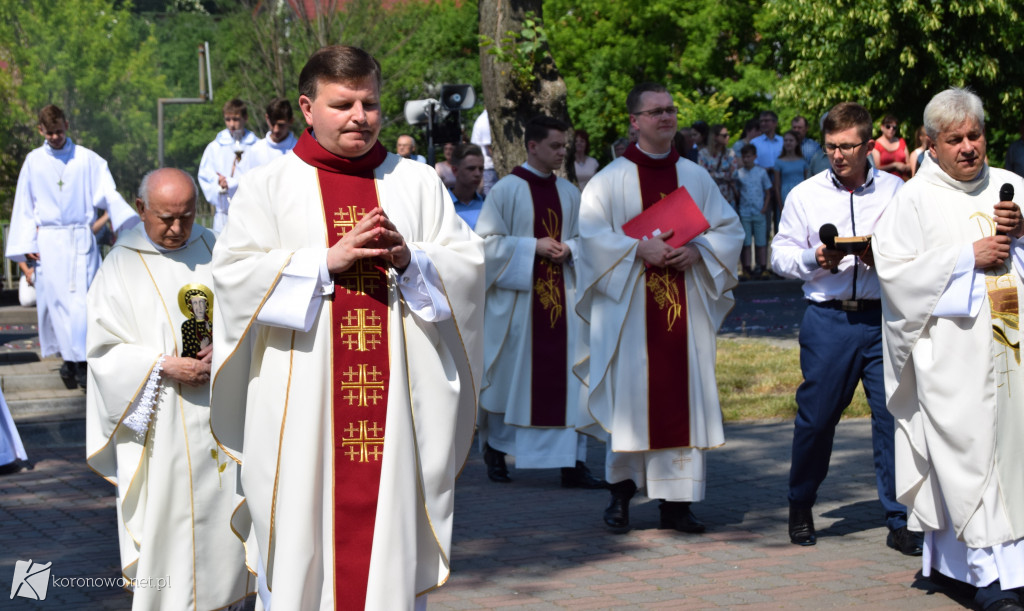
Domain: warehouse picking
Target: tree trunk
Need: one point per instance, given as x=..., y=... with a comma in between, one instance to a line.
x=509, y=106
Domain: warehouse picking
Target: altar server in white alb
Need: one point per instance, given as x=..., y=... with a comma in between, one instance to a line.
x=148, y=407
x=530, y=400
x=654, y=311
x=948, y=251
x=360, y=292
x=224, y=160
x=279, y=139
x=61, y=188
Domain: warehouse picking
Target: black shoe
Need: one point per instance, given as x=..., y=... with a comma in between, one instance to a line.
x=68, y=374
x=496, y=468
x=678, y=516
x=81, y=373
x=581, y=477
x=905, y=541
x=616, y=516
x=801, y=526
x=994, y=598
x=1005, y=604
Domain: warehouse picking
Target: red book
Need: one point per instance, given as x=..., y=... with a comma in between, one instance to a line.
x=677, y=211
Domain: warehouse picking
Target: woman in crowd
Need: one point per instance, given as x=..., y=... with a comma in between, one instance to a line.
x=720, y=161
x=444, y=168
x=751, y=130
x=790, y=167
x=890, y=152
x=917, y=155
x=586, y=166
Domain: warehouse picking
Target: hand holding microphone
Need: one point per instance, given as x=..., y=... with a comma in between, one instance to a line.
x=1007, y=215
x=828, y=234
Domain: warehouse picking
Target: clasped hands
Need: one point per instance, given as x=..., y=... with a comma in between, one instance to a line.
x=373, y=236
x=993, y=251
x=550, y=248
x=659, y=254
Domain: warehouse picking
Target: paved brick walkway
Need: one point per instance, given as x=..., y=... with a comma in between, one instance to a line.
x=533, y=545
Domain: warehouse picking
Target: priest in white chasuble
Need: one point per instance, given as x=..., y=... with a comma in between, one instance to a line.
x=62, y=188
x=653, y=312
x=530, y=399
x=148, y=408
x=348, y=354
x=948, y=251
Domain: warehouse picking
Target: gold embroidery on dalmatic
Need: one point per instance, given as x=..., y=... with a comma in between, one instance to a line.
x=1002, y=296
x=362, y=277
x=360, y=331
x=363, y=443
x=666, y=293
x=362, y=385
x=547, y=287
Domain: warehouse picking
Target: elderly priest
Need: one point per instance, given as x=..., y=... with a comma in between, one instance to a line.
x=148, y=407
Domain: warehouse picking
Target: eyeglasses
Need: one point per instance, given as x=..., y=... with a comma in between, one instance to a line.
x=889, y=126
x=844, y=148
x=657, y=112
x=723, y=135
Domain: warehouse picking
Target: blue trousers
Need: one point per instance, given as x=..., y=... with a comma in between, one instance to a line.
x=837, y=350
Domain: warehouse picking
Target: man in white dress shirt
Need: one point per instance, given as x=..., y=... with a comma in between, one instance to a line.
x=841, y=333
x=279, y=139
x=224, y=161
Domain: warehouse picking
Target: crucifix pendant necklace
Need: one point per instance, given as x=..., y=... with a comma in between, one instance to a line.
x=60, y=173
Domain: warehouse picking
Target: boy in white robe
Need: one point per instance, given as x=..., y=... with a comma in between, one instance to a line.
x=224, y=159
x=61, y=187
x=279, y=139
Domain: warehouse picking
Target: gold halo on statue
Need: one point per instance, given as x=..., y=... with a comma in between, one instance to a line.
x=186, y=293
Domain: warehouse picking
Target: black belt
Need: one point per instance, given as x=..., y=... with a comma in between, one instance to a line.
x=850, y=305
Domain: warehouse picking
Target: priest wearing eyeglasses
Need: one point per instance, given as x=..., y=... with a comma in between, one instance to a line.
x=653, y=312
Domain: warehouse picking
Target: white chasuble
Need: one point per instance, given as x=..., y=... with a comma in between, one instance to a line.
x=615, y=304
x=58, y=195
x=274, y=387
x=523, y=291
x=176, y=490
x=954, y=383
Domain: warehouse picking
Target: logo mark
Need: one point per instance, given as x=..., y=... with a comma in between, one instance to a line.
x=30, y=579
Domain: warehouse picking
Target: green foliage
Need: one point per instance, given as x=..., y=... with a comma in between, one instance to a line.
x=521, y=50
x=95, y=60
x=706, y=52
x=894, y=56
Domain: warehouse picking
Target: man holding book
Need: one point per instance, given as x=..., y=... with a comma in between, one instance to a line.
x=841, y=332
x=653, y=310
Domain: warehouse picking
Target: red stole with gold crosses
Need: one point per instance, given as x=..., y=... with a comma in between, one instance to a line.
x=360, y=366
x=549, y=332
x=668, y=368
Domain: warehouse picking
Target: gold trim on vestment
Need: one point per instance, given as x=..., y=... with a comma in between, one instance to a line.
x=241, y=339
x=191, y=488
x=416, y=445
x=280, y=446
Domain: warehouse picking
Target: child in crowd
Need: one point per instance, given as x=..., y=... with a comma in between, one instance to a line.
x=754, y=186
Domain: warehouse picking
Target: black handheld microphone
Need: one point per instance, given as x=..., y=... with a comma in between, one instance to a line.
x=828, y=234
x=1005, y=195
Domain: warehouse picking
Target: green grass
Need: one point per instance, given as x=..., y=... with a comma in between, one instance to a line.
x=757, y=380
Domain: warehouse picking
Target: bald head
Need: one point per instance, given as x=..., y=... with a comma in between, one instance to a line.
x=406, y=146
x=167, y=206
